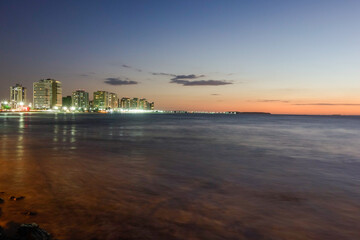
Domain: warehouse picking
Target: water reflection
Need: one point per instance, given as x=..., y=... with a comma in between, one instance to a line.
x=73, y=135
x=56, y=132
x=183, y=176
x=20, y=140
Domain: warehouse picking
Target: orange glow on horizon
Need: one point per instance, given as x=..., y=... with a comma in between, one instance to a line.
x=306, y=108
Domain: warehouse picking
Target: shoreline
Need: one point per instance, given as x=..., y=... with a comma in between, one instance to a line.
x=184, y=113
x=21, y=231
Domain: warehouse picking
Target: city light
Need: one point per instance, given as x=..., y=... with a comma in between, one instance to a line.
x=44, y=91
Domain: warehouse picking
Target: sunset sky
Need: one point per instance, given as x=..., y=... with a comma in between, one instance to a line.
x=286, y=56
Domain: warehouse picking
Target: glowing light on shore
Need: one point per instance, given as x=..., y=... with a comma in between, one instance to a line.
x=122, y=110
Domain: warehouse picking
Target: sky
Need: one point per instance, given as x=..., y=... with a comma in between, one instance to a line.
x=296, y=57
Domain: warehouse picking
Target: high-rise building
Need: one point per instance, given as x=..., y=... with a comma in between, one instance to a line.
x=113, y=100
x=152, y=106
x=58, y=93
x=47, y=94
x=80, y=99
x=101, y=100
x=67, y=101
x=134, y=104
x=17, y=96
x=148, y=106
x=125, y=103
x=143, y=104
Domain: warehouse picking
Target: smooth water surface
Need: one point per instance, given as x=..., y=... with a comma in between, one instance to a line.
x=159, y=176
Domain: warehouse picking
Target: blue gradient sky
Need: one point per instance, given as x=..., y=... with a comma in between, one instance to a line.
x=279, y=56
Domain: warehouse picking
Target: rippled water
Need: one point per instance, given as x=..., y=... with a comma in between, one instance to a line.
x=143, y=176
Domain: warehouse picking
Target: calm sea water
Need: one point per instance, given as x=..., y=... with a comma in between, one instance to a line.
x=143, y=176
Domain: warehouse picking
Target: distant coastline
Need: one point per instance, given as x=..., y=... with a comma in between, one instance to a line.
x=139, y=111
x=171, y=112
x=257, y=113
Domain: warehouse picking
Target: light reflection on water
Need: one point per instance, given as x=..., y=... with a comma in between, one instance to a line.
x=183, y=176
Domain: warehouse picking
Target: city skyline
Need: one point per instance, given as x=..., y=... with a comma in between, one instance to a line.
x=47, y=94
x=280, y=57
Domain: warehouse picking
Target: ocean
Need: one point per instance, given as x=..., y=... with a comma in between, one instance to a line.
x=182, y=176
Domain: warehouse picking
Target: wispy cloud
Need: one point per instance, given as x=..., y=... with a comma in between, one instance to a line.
x=200, y=82
x=131, y=67
x=87, y=74
x=273, y=100
x=327, y=104
x=188, y=80
x=119, y=82
x=215, y=94
x=305, y=104
x=163, y=74
x=190, y=76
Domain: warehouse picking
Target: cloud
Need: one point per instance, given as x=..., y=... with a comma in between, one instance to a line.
x=163, y=74
x=131, y=67
x=191, y=76
x=201, y=82
x=327, y=104
x=273, y=100
x=119, y=82
x=307, y=104
x=187, y=80
x=215, y=94
x=87, y=74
